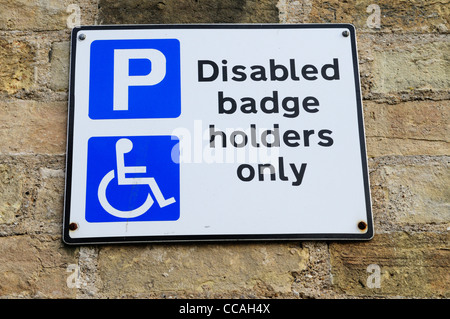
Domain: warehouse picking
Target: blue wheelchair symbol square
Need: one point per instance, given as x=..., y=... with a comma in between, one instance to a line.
x=133, y=178
x=134, y=79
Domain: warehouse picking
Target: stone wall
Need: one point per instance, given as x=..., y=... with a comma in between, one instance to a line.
x=404, y=55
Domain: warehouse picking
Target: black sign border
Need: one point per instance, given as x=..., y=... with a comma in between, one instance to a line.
x=67, y=239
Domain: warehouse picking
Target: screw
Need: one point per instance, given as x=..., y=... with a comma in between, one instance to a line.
x=362, y=225
x=345, y=33
x=73, y=226
x=82, y=36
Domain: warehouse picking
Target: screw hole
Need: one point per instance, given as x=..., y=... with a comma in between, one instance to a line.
x=73, y=226
x=362, y=225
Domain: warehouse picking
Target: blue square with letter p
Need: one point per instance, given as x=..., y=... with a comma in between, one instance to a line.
x=134, y=79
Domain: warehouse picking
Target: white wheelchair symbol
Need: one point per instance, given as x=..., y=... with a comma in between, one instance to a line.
x=123, y=146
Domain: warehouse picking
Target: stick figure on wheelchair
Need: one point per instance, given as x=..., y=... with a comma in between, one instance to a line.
x=124, y=146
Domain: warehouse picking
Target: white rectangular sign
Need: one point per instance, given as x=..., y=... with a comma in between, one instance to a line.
x=215, y=132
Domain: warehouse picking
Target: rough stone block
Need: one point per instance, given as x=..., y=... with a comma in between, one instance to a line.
x=367, y=15
x=33, y=127
x=10, y=193
x=409, y=265
x=48, y=15
x=31, y=194
x=59, y=66
x=48, y=211
x=35, y=267
x=422, y=66
x=33, y=15
x=214, y=269
x=411, y=193
x=187, y=11
x=410, y=128
x=17, y=60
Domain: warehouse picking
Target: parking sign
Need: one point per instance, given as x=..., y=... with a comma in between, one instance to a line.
x=112, y=195
x=134, y=79
x=215, y=132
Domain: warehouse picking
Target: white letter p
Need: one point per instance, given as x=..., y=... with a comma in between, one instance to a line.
x=122, y=79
